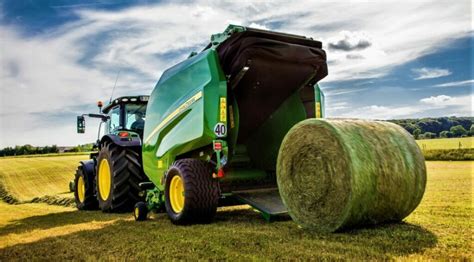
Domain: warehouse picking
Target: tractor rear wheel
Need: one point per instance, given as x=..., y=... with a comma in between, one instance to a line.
x=84, y=190
x=118, y=174
x=191, y=194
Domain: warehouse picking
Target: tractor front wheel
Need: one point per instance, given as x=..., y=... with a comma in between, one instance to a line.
x=191, y=193
x=84, y=190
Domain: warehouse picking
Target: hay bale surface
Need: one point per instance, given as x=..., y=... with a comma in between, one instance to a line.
x=337, y=174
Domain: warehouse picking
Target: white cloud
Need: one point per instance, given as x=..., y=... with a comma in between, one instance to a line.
x=335, y=92
x=456, y=84
x=349, y=41
x=258, y=26
x=441, y=105
x=75, y=64
x=437, y=100
x=398, y=30
x=427, y=73
x=378, y=112
x=465, y=103
x=337, y=106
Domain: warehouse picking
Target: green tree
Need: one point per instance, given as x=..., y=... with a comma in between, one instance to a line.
x=428, y=135
x=416, y=133
x=471, y=130
x=445, y=134
x=54, y=149
x=458, y=131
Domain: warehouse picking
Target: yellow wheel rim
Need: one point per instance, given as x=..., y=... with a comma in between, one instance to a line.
x=81, y=189
x=136, y=212
x=104, y=179
x=176, y=194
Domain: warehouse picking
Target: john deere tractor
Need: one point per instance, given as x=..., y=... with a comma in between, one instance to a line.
x=109, y=179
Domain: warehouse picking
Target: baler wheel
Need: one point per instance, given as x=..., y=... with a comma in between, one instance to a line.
x=140, y=212
x=191, y=193
x=118, y=175
x=84, y=190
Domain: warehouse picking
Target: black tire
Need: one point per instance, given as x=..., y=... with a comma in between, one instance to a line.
x=140, y=211
x=71, y=186
x=201, y=192
x=88, y=200
x=125, y=174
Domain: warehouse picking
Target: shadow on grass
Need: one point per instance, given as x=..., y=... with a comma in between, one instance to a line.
x=235, y=234
x=56, y=220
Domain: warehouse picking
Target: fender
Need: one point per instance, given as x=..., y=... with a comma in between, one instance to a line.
x=133, y=140
x=88, y=166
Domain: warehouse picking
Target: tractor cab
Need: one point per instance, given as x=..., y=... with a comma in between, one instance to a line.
x=126, y=114
x=123, y=114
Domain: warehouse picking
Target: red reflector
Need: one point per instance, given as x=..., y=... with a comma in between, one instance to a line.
x=123, y=134
x=220, y=173
x=217, y=146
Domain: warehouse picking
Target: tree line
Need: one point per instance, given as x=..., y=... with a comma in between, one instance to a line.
x=36, y=150
x=441, y=127
x=423, y=128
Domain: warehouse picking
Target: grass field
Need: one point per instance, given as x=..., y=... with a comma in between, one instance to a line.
x=446, y=143
x=440, y=228
x=27, y=178
x=50, y=155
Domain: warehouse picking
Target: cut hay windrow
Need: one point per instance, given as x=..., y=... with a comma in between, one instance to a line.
x=337, y=174
x=55, y=200
x=7, y=197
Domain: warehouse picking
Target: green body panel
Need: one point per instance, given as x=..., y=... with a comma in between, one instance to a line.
x=184, y=109
x=177, y=123
x=263, y=145
x=319, y=97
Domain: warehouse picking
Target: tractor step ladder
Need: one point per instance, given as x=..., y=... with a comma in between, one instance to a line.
x=267, y=201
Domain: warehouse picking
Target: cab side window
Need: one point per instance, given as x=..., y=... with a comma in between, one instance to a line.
x=114, y=122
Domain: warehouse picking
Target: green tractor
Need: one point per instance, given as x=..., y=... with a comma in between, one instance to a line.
x=110, y=179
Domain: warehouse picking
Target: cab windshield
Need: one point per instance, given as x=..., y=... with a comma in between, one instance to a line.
x=135, y=117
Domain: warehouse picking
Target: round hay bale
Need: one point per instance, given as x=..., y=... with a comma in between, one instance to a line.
x=336, y=174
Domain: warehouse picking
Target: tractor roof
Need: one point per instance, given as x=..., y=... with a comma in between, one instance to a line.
x=126, y=100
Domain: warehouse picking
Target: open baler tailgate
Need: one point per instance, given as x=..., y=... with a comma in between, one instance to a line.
x=265, y=68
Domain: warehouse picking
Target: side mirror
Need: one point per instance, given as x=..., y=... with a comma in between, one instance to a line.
x=81, y=124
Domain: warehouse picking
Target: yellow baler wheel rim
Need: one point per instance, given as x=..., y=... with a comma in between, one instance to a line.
x=176, y=194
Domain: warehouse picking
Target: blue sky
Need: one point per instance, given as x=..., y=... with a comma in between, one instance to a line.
x=387, y=59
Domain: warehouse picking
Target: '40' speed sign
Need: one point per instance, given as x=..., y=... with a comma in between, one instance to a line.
x=220, y=130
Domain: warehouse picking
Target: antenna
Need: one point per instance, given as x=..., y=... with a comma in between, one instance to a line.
x=116, y=78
